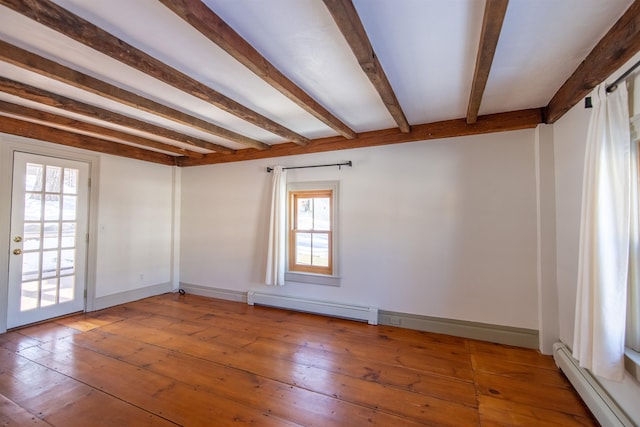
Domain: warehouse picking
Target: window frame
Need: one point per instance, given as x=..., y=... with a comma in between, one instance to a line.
x=310, y=276
x=294, y=231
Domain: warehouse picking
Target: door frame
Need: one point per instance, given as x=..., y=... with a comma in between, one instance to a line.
x=9, y=144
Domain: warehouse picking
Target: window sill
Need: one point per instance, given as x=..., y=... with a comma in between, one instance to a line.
x=314, y=279
x=632, y=362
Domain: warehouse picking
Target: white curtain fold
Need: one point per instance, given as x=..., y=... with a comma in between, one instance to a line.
x=276, y=251
x=603, y=266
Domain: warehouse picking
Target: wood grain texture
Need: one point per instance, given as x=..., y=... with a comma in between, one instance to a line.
x=45, y=67
x=51, y=99
x=188, y=360
x=350, y=25
x=26, y=129
x=76, y=126
x=618, y=46
x=65, y=22
x=199, y=16
x=494, y=13
x=516, y=120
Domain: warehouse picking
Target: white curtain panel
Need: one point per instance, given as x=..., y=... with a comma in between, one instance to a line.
x=603, y=265
x=276, y=252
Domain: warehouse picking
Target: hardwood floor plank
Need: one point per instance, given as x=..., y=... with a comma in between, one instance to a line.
x=502, y=413
x=11, y=414
x=190, y=360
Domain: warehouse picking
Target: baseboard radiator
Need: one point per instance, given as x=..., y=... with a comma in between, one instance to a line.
x=346, y=311
x=606, y=411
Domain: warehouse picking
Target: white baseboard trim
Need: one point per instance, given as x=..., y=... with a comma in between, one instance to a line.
x=606, y=411
x=133, y=295
x=519, y=337
x=205, y=291
x=328, y=308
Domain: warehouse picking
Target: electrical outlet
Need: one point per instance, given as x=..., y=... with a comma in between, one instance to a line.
x=395, y=320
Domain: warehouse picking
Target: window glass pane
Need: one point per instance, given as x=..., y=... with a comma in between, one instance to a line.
x=32, y=206
x=49, y=263
x=70, y=181
x=34, y=177
x=322, y=213
x=51, y=234
x=68, y=262
x=320, y=250
x=30, y=266
x=303, y=248
x=53, y=179
x=68, y=234
x=305, y=213
x=29, y=296
x=31, y=236
x=69, y=208
x=67, y=284
x=49, y=292
x=52, y=207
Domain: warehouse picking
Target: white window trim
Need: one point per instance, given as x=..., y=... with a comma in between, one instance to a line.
x=312, y=278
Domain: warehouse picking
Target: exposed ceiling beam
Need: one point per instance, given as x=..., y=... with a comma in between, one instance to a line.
x=494, y=13
x=57, y=18
x=37, y=64
x=76, y=126
x=619, y=45
x=26, y=129
x=515, y=120
x=348, y=21
x=58, y=101
x=199, y=16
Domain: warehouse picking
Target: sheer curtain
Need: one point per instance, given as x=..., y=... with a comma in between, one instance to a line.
x=633, y=297
x=605, y=226
x=276, y=252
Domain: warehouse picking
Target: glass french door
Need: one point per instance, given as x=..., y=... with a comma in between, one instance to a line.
x=49, y=216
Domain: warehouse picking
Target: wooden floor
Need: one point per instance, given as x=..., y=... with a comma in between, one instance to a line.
x=188, y=360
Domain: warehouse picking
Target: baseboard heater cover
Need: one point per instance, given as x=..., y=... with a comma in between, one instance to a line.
x=606, y=411
x=327, y=308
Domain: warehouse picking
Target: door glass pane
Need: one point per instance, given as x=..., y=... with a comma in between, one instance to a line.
x=29, y=296
x=320, y=250
x=33, y=177
x=31, y=236
x=30, y=265
x=49, y=292
x=49, y=263
x=69, y=208
x=322, y=214
x=32, y=206
x=303, y=248
x=68, y=234
x=68, y=261
x=51, y=235
x=54, y=175
x=305, y=213
x=67, y=284
x=70, y=181
x=52, y=207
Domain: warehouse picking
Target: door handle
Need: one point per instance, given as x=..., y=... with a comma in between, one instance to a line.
x=17, y=251
x=17, y=239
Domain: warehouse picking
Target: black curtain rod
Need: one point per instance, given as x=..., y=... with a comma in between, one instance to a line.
x=613, y=86
x=349, y=163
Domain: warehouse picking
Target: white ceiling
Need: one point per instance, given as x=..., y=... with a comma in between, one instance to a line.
x=427, y=48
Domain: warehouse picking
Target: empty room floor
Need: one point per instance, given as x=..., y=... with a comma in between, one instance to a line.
x=194, y=361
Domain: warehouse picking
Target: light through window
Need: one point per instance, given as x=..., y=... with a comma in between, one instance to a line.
x=311, y=231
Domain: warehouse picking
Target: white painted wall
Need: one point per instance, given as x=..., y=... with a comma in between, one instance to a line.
x=441, y=228
x=134, y=225
x=570, y=134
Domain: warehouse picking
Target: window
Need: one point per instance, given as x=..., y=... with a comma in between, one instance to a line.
x=312, y=228
x=311, y=234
